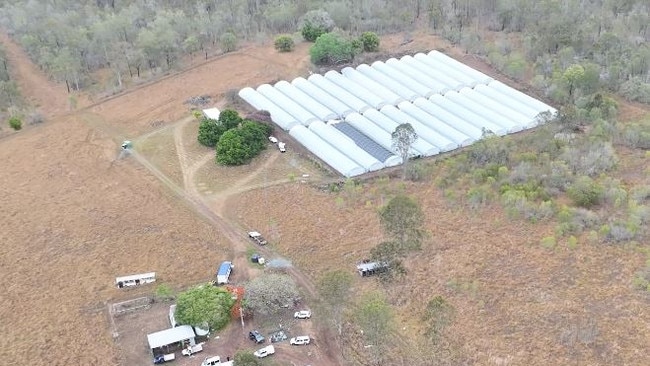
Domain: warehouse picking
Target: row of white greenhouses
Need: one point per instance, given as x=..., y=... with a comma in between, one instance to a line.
x=346, y=119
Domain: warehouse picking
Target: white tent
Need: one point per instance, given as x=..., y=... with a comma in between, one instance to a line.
x=305, y=101
x=441, y=141
x=421, y=72
x=301, y=114
x=466, y=115
x=171, y=336
x=418, y=81
x=469, y=80
x=359, y=91
x=504, y=99
x=477, y=75
x=378, y=135
x=346, y=145
x=390, y=93
x=521, y=97
x=467, y=130
x=260, y=102
x=495, y=118
x=211, y=113
x=387, y=124
x=339, y=93
x=505, y=109
x=326, y=152
x=436, y=73
x=338, y=107
x=403, y=85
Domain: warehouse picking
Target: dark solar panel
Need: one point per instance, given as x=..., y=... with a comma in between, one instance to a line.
x=363, y=141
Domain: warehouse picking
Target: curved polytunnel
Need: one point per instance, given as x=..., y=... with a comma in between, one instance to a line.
x=339, y=93
x=338, y=107
x=477, y=75
x=427, y=64
x=523, y=120
x=305, y=101
x=466, y=133
x=468, y=116
x=424, y=128
x=420, y=146
x=442, y=67
x=523, y=98
x=362, y=93
x=390, y=93
x=419, y=72
x=379, y=136
x=504, y=99
x=407, y=87
x=260, y=102
x=326, y=152
x=346, y=145
x=301, y=114
x=496, y=118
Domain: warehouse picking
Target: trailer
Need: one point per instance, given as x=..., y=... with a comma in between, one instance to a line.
x=223, y=274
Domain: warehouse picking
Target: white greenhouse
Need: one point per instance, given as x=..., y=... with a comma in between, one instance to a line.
x=521, y=97
x=480, y=77
x=407, y=87
x=261, y=103
x=493, y=105
x=338, y=107
x=293, y=108
x=466, y=115
x=346, y=146
x=436, y=73
x=381, y=137
x=357, y=90
x=444, y=68
x=418, y=81
x=339, y=93
x=387, y=124
x=305, y=101
x=427, y=126
x=467, y=129
x=420, y=71
x=506, y=100
x=377, y=87
x=326, y=152
x=496, y=118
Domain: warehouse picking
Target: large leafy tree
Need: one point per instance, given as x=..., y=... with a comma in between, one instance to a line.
x=331, y=48
x=204, y=304
x=210, y=132
x=232, y=149
x=402, y=220
x=403, y=138
x=268, y=294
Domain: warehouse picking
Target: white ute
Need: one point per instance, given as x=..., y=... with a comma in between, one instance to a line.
x=297, y=341
x=263, y=352
x=302, y=314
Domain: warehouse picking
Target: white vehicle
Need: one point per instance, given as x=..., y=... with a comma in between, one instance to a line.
x=190, y=350
x=273, y=139
x=263, y=352
x=281, y=147
x=257, y=237
x=211, y=361
x=297, y=341
x=302, y=314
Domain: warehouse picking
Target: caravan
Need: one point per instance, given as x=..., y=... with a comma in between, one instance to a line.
x=135, y=280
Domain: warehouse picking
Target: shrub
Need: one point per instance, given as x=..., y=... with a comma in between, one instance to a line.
x=331, y=48
x=229, y=119
x=636, y=135
x=311, y=32
x=284, y=43
x=315, y=23
x=478, y=197
x=620, y=232
x=640, y=194
x=490, y=150
x=585, y=192
x=210, y=131
x=15, y=123
x=228, y=42
x=642, y=279
x=590, y=159
x=548, y=242
x=369, y=41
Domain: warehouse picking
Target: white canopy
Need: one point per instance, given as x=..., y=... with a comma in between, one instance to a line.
x=477, y=75
x=387, y=124
x=262, y=103
x=523, y=98
x=437, y=73
x=495, y=118
x=504, y=109
x=303, y=116
x=390, y=92
x=211, y=113
x=406, y=88
x=466, y=116
x=359, y=91
x=378, y=135
x=449, y=125
x=504, y=99
x=420, y=121
x=346, y=145
x=421, y=71
x=171, y=336
x=305, y=101
x=322, y=96
x=339, y=93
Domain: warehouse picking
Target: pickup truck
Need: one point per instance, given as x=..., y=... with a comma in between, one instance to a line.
x=190, y=350
x=164, y=358
x=257, y=237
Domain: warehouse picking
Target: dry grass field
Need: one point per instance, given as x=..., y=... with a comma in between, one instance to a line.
x=76, y=214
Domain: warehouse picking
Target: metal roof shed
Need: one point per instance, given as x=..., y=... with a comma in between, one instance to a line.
x=442, y=142
x=326, y=152
x=436, y=73
x=387, y=124
x=390, y=93
x=496, y=118
x=340, y=108
x=305, y=101
x=421, y=124
x=339, y=93
x=346, y=145
x=260, y=102
x=477, y=75
x=523, y=120
x=401, y=87
x=421, y=72
x=467, y=116
x=171, y=336
x=293, y=108
x=504, y=99
x=448, y=124
x=523, y=98
x=359, y=91
x=382, y=138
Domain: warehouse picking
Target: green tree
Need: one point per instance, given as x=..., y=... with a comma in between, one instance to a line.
x=284, y=43
x=204, y=304
x=334, y=290
x=164, y=292
x=369, y=41
x=331, y=48
x=585, y=192
x=403, y=138
x=268, y=294
x=375, y=318
x=574, y=76
x=246, y=358
x=314, y=24
x=210, y=131
x=232, y=149
x=16, y=123
x=228, y=42
x=402, y=220
x=229, y=119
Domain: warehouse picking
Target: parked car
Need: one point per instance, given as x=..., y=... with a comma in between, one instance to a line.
x=211, y=361
x=278, y=336
x=281, y=147
x=302, y=314
x=256, y=336
x=164, y=358
x=263, y=352
x=257, y=237
x=296, y=341
x=190, y=350
x=273, y=139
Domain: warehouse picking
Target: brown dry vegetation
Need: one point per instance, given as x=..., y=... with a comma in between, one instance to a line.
x=74, y=217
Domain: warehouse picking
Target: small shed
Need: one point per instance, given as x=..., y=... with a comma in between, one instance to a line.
x=170, y=337
x=212, y=113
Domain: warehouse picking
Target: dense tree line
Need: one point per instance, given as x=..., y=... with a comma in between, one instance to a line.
x=71, y=38
x=9, y=94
